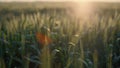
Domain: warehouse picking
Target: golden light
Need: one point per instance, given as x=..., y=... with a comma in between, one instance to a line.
x=83, y=8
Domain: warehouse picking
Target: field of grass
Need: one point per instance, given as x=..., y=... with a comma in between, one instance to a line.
x=53, y=37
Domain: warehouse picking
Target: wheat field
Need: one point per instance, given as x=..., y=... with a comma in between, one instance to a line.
x=59, y=37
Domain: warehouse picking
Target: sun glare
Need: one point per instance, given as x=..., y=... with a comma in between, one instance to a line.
x=83, y=8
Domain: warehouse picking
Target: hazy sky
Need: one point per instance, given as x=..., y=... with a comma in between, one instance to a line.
x=63, y=0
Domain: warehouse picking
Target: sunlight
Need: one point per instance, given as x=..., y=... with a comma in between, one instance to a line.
x=83, y=8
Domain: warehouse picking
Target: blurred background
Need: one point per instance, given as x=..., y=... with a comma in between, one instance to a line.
x=59, y=34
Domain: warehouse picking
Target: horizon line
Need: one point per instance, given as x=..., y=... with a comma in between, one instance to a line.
x=60, y=1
